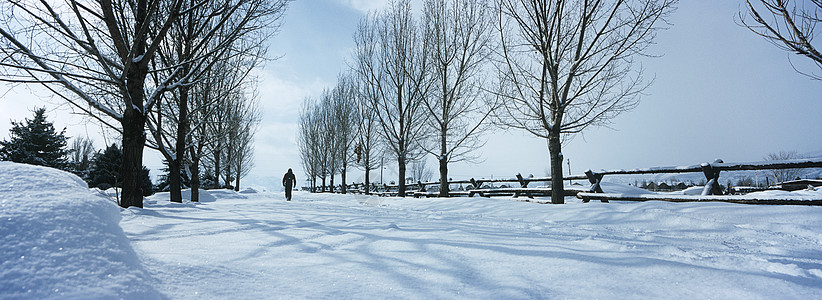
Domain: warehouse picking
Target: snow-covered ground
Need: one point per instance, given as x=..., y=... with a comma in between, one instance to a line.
x=60, y=240
x=255, y=245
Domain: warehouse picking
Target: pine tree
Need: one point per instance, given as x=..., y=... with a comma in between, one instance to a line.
x=163, y=183
x=105, y=168
x=104, y=171
x=36, y=142
x=148, y=186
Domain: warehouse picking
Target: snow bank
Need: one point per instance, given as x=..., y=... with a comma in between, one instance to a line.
x=249, y=190
x=615, y=188
x=807, y=194
x=58, y=239
x=221, y=194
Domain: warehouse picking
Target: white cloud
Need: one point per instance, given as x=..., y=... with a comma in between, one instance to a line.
x=365, y=6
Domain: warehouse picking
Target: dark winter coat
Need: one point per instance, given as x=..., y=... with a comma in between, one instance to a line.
x=289, y=181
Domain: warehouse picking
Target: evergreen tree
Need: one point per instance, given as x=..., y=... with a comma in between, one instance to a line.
x=148, y=186
x=163, y=183
x=104, y=171
x=207, y=179
x=36, y=142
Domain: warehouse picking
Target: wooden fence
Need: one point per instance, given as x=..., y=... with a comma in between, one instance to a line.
x=711, y=191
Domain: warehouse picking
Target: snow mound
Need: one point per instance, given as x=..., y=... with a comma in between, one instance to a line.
x=58, y=239
x=249, y=191
x=615, y=188
x=694, y=190
x=205, y=196
x=807, y=194
x=226, y=194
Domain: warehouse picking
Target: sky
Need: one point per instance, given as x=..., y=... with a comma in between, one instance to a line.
x=719, y=92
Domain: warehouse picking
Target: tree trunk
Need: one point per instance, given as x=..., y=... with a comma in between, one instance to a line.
x=342, y=178
x=401, y=190
x=332, y=182
x=443, y=176
x=228, y=172
x=174, y=181
x=134, y=135
x=176, y=166
x=443, y=159
x=217, y=154
x=237, y=182
x=322, y=188
x=367, y=180
x=131, y=166
x=555, y=152
x=195, y=178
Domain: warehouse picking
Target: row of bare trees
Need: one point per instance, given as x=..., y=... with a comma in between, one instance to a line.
x=327, y=131
x=561, y=66
x=169, y=74
x=413, y=89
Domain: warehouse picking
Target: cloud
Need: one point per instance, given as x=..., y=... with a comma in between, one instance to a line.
x=365, y=6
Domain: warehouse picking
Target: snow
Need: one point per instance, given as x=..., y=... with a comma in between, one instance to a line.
x=256, y=245
x=608, y=187
x=59, y=240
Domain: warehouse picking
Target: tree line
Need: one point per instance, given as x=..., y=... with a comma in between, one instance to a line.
x=434, y=84
x=172, y=75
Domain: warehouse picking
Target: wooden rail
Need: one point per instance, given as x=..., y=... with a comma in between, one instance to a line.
x=741, y=199
x=710, y=170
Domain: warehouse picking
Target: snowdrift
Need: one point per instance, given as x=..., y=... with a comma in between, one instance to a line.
x=58, y=239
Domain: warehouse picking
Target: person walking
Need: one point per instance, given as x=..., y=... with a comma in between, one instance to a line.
x=289, y=182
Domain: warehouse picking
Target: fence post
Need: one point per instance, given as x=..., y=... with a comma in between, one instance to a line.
x=712, y=175
x=595, y=180
x=523, y=183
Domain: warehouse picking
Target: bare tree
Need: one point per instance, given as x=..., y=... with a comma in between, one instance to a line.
x=249, y=121
x=791, y=27
x=420, y=170
x=344, y=114
x=317, y=138
x=568, y=65
x=195, y=45
x=328, y=155
x=367, y=149
x=308, y=140
x=782, y=175
x=98, y=57
x=80, y=153
x=460, y=36
x=390, y=56
x=241, y=125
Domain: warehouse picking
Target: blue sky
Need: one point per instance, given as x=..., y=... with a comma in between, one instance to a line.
x=719, y=92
